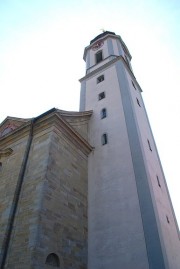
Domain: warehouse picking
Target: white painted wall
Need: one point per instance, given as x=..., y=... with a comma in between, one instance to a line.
x=116, y=235
x=113, y=200
x=162, y=204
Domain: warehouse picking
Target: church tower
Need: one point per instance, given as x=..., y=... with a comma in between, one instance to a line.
x=131, y=221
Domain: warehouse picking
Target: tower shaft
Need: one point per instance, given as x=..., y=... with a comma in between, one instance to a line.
x=131, y=219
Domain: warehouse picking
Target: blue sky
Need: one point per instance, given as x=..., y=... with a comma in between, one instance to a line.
x=41, y=49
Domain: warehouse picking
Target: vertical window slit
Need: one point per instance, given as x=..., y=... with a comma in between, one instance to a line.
x=104, y=139
x=133, y=85
x=103, y=113
x=138, y=102
x=167, y=219
x=158, y=181
x=149, y=145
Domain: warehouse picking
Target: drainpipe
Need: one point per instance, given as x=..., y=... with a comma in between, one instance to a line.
x=9, y=228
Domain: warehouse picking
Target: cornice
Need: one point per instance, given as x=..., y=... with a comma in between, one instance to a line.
x=47, y=122
x=14, y=119
x=86, y=114
x=108, y=64
x=15, y=135
x=57, y=121
x=5, y=152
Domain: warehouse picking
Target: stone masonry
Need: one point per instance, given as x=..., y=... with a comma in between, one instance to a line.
x=51, y=214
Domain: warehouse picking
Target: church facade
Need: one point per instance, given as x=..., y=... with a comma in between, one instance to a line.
x=86, y=189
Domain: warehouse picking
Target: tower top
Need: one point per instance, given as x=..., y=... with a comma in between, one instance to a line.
x=103, y=36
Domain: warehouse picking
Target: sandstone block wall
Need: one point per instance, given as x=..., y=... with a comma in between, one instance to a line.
x=50, y=226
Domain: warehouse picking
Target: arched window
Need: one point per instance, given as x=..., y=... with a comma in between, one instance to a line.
x=53, y=260
x=103, y=113
x=104, y=139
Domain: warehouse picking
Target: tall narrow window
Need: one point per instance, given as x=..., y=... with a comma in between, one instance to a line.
x=138, y=102
x=103, y=113
x=0, y=166
x=100, y=78
x=99, y=56
x=158, y=181
x=133, y=85
x=167, y=219
x=101, y=95
x=104, y=139
x=149, y=145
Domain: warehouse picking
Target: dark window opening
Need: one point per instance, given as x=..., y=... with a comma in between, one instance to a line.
x=101, y=95
x=99, y=56
x=149, y=145
x=53, y=260
x=138, y=102
x=100, y=79
x=104, y=139
x=158, y=181
x=167, y=219
x=133, y=85
x=0, y=166
x=103, y=113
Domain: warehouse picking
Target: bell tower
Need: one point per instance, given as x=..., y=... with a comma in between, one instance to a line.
x=131, y=221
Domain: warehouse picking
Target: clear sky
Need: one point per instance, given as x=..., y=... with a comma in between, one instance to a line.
x=41, y=49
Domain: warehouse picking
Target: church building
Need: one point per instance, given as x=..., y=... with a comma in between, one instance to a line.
x=86, y=190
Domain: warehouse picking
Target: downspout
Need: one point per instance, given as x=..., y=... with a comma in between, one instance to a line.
x=9, y=229
x=6, y=241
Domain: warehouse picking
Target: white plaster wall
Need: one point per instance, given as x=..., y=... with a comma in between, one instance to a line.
x=115, y=226
x=115, y=46
x=162, y=204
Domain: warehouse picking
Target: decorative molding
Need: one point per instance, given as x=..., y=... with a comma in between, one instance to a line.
x=5, y=152
x=56, y=120
x=107, y=64
x=7, y=129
